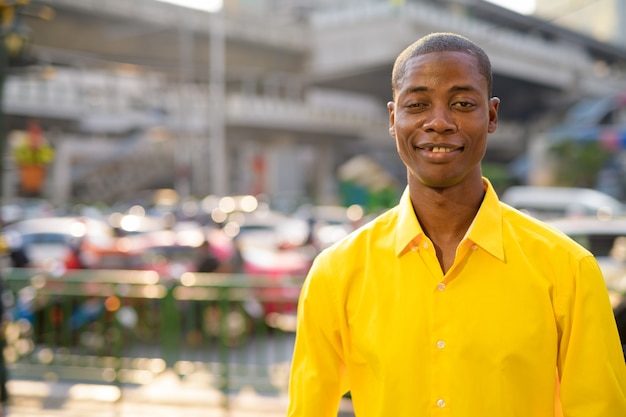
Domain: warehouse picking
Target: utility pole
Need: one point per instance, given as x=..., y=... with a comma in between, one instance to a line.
x=217, y=100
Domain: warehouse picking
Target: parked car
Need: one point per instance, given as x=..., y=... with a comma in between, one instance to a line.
x=48, y=242
x=329, y=223
x=555, y=202
x=167, y=252
x=26, y=208
x=272, y=248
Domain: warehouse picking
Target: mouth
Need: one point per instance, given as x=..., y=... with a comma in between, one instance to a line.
x=438, y=148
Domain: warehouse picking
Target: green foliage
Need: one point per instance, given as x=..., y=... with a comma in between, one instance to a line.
x=29, y=147
x=371, y=200
x=577, y=164
x=498, y=175
x=33, y=155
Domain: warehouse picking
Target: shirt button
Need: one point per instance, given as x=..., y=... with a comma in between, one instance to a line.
x=474, y=247
x=441, y=344
x=414, y=248
x=425, y=245
x=441, y=286
x=441, y=403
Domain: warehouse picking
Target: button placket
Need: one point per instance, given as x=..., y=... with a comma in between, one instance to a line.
x=440, y=356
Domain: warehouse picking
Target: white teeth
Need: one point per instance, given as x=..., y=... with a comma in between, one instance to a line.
x=439, y=149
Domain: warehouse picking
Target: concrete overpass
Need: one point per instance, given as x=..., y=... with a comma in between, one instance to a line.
x=308, y=88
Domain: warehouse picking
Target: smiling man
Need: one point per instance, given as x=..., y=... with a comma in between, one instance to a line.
x=453, y=303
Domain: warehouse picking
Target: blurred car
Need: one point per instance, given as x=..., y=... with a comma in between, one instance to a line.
x=268, y=228
x=265, y=242
x=223, y=248
x=137, y=223
x=26, y=208
x=329, y=223
x=274, y=244
x=169, y=253
x=48, y=242
x=555, y=202
x=272, y=248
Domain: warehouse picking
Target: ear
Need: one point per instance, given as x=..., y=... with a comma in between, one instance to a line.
x=392, y=118
x=494, y=104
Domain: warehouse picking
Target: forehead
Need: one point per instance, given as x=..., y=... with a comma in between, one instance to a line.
x=439, y=69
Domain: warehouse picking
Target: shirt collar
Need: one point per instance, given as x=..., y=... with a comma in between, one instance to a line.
x=408, y=232
x=485, y=231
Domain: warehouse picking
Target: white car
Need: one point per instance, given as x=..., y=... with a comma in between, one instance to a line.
x=555, y=202
x=329, y=223
x=48, y=241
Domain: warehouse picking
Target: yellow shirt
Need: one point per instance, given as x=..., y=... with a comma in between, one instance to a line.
x=377, y=317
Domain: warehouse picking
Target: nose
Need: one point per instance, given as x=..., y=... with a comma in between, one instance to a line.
x=440, y=120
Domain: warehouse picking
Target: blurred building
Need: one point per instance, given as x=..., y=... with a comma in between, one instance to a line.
x=265, y=97
x=604, y=20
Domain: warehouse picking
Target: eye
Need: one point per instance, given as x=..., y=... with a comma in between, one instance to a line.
x=416, y=106
x=463, y=105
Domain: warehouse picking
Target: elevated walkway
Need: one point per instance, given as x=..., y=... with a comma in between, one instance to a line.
x=106, y=108
x=118, y=114
x=387, y=29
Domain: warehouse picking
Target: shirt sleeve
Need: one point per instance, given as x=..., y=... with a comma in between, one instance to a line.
x=317, y=379
x=591, y=363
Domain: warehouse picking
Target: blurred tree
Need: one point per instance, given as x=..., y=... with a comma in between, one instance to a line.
x=499, y=176
x=577, y=164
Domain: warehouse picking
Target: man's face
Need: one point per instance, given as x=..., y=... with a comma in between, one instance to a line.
x=440, y=118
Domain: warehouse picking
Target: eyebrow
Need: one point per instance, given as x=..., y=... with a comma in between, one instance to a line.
x=456, y=88
x=453, y=89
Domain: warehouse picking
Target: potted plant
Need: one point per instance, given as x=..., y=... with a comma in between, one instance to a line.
x=31, y=154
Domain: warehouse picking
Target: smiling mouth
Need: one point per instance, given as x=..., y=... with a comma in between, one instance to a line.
x=437, y=149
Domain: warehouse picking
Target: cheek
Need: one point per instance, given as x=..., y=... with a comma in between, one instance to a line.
x=405, y=151
x=405, y=120
x=404, y=134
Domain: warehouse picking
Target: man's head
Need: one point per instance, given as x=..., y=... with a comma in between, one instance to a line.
x=442, y=111
x=441, y=42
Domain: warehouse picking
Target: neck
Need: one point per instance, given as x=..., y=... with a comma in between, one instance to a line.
x=446, y=214
x=450, y=204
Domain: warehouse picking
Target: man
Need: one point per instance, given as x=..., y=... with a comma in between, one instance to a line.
x=453, y=303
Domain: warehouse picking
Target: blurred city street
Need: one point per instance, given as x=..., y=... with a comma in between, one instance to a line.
x=169, y=173
x=34, y=398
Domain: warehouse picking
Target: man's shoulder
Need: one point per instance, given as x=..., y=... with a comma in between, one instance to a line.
x=527, y=228
x=372, y=243
x=380, y=228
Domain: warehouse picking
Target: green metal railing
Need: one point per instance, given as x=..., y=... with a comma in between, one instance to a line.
x=127, y=327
